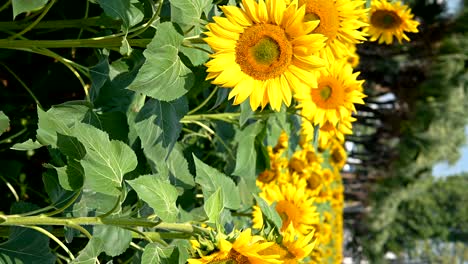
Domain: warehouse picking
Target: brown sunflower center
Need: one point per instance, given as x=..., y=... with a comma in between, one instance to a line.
x=385, y=19
x=263, y=51
x=233, y=257
x=326, y=12
x=325, y=92
x=330, y=93
x=289, y=212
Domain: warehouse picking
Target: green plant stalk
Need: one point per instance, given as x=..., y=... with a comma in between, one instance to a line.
x=16, y=220
x=104, y=42
x=61, y=24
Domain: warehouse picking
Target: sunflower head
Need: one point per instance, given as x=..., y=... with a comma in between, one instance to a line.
x=390, y=19
x=334, y=98
x=245, y=248
x=264, y=51
x=340, y=22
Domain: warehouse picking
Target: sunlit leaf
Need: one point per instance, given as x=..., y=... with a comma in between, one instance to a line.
x=106, y=161
x=160, y=195
x=115, y=239
x=154, y=253
x=4, y=122
x=211, y=179
x=214, y=206
x=89, y=255
x=163, y=76
x=22, y=6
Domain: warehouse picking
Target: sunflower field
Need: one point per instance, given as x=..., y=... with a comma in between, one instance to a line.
x=181, y=131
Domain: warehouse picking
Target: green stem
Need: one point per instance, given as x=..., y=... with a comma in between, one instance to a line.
x=51, y=236
x=17, y=134
x=33, y=24
x=68, y=204
x=5, y=6
x=104, y=42
x=218, y=116
x=62, y=24
x=148, y=24
x=204, y=102
x=15, y=220
x=85, y=17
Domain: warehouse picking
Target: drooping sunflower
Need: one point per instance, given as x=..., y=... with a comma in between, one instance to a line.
x=263, y=51
x=338, y=90
x=245, y=249
x=293, y=204
x=388, y=20
x=340, y=22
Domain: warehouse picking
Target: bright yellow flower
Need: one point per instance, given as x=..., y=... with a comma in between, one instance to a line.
x=390, y=19
x=263, y=51
x=245, y=249
x=340, y=21
x=338, y=90
x=293, y=204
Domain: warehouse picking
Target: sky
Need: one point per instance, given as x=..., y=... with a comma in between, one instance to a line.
x=444, y=169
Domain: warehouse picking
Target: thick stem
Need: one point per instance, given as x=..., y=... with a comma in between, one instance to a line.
x=16, y=220
x=61, y=24
x=112, y=42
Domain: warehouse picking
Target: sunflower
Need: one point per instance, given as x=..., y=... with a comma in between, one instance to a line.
x=293, y=204
x=245, y=249
x=340, y=21
x=328, y=132
x=293, y=247
x=353, y=57
x=387, y=20
x=338, y=90
x=263, y=51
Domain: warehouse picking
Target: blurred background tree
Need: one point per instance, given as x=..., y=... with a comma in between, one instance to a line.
x=414, y=117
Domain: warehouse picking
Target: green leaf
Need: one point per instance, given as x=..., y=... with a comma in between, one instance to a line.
x=246, y=112
x=115, y=239
x=27, y=145
x=22, y=6
x=57, y=194
x=26, y=246
x=71, y=176
x=163, y=76
x=109, y=82
x=246, y=154
x=4, y=122
x=113, y=123
x=122, y=10
x=188, y=13
x=213, y=206
x=106, y=161
x=153, y=253
x=269, y=212
x=59, y=119
x=70, y=146
x=159, y=121
x=211, y=179
x=89, y=255
x=88, y=206
x=160, y=195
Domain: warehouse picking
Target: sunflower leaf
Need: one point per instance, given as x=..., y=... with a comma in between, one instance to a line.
x=158, y=194
x=163, y=76
x=211, y=179
x=106, y=161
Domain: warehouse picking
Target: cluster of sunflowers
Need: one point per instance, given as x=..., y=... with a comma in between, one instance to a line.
x=300, y=53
